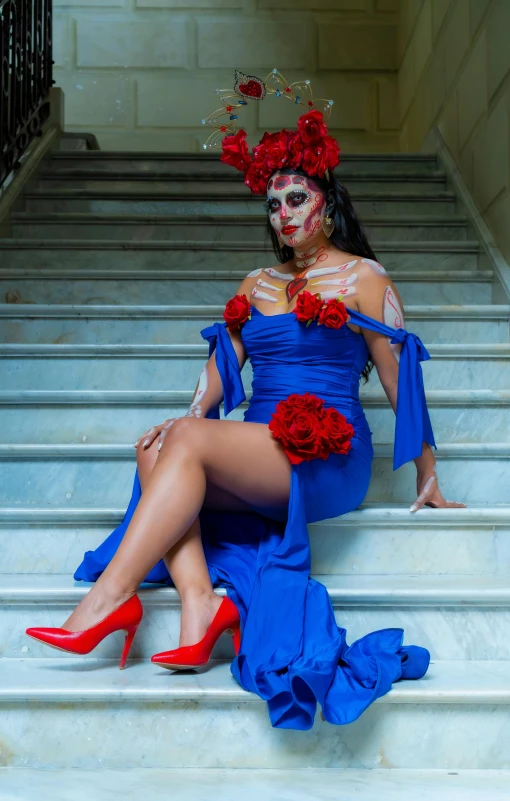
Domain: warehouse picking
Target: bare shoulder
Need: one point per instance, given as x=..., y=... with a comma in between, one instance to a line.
x=378, y=296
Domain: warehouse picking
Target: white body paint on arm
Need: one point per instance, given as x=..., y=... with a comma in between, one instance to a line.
x=393, y=316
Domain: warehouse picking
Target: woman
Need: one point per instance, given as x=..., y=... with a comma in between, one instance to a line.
x=226, y=503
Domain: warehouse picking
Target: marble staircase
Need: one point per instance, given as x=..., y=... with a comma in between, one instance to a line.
x=111, y=265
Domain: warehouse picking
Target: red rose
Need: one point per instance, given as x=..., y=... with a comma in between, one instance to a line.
x=299, y=431
x=338, y=431
x=307, y=306
x=333, y=314
x=305, y=402
x=259, y=151
x=311, y=127
x=235, y=151
x=276, y=153
x=295, y=148
x=333, y=151
x=315, y=160
x=257, y=179
x=237, y=311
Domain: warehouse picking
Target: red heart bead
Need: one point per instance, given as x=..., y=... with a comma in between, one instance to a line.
x=294, y=287
x=252, y=89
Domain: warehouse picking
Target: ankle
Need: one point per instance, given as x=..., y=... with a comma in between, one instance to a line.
x=201, y=595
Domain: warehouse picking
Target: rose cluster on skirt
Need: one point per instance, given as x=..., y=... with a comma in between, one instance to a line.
x=306, y=430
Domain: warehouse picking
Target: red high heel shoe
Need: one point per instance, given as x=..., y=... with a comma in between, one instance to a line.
x=192, y=656
x=127, y=616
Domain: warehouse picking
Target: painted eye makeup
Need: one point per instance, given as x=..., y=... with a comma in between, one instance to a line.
x=294, y=199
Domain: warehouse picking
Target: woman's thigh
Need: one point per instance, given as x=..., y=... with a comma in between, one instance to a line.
x=224, y=495
x=240, y=458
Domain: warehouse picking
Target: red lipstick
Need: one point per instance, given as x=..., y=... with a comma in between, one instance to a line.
x=289, y=229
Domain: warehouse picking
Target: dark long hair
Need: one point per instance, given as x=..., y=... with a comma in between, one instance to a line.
x=348, y=234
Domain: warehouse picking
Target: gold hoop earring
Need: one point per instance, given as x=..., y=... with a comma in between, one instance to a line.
x=328, y=226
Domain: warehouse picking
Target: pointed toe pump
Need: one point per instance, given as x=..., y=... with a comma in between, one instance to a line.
x=127, y=617
x=193, y=656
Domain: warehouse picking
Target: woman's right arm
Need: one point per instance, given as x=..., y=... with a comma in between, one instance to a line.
x=208, y=391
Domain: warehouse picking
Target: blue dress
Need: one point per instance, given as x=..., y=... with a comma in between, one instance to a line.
x=293, y=654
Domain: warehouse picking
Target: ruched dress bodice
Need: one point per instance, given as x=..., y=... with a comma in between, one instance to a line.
x=287, y=357
x=293, y=653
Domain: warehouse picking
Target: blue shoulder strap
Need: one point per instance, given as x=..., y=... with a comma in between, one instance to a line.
x=228, y=368
x=412, y=423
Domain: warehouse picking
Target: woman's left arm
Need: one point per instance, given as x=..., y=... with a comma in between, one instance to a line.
x=378, y=297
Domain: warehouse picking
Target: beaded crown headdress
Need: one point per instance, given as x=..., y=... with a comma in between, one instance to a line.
x=310, y=148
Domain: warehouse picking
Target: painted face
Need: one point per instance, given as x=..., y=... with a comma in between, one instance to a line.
x=295, y=205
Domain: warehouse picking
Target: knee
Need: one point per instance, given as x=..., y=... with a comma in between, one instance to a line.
x=146, y=457
x=182, y=435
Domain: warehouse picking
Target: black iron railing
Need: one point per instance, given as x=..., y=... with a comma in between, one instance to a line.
x=26, y=76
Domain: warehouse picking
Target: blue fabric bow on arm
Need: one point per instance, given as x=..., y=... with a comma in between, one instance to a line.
x=228, y=368
x=412, y=423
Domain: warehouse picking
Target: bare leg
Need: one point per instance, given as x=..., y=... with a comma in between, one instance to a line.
x=186, y=562
x=241, y=458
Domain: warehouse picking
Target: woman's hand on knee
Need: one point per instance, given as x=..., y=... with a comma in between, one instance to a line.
x=156, y=431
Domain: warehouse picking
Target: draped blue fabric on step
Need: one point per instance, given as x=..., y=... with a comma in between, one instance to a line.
x=293, y=653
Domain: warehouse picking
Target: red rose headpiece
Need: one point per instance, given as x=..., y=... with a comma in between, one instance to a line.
x=310, y=148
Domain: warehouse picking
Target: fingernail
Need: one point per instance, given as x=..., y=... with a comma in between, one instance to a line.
x=145, y=443
x=413, y=507
x=159, y=446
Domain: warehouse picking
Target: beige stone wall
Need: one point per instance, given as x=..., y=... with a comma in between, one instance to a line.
x=455, y=73
x=141, y=74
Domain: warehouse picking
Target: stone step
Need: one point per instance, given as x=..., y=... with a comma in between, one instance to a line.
x=221, y=227
x=128, y=367
x=136, y=162
x=373, y=540
x=201, y=286
x=455, y=617
x=105, y=416
x=222, y=184
x=94, y=324
x=140, y=257
x=459, y=708
x=300, y=784
x=216, y=256
x=240, y=202
x=86, y=475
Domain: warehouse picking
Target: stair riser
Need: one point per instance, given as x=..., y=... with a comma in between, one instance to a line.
x=213, y=258
x=222, y=188
x=114, y=162
x=131, y=373
x=198, y=291
x=121, y=423
x=449, y=633
x=226, y=232
x=73, y=205
x=187, y=733
x=362, y=549
x=106, y=482
x=187, y=331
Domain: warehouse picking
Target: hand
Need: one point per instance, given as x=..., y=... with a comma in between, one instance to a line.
x=431, y=495
x=156, y=431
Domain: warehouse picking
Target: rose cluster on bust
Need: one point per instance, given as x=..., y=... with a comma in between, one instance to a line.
x=310, y=148
x=309, y=308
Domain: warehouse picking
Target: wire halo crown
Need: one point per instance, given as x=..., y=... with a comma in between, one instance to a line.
x=248, y=88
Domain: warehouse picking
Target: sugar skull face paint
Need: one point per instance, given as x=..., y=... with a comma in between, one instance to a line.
x=295, y=205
